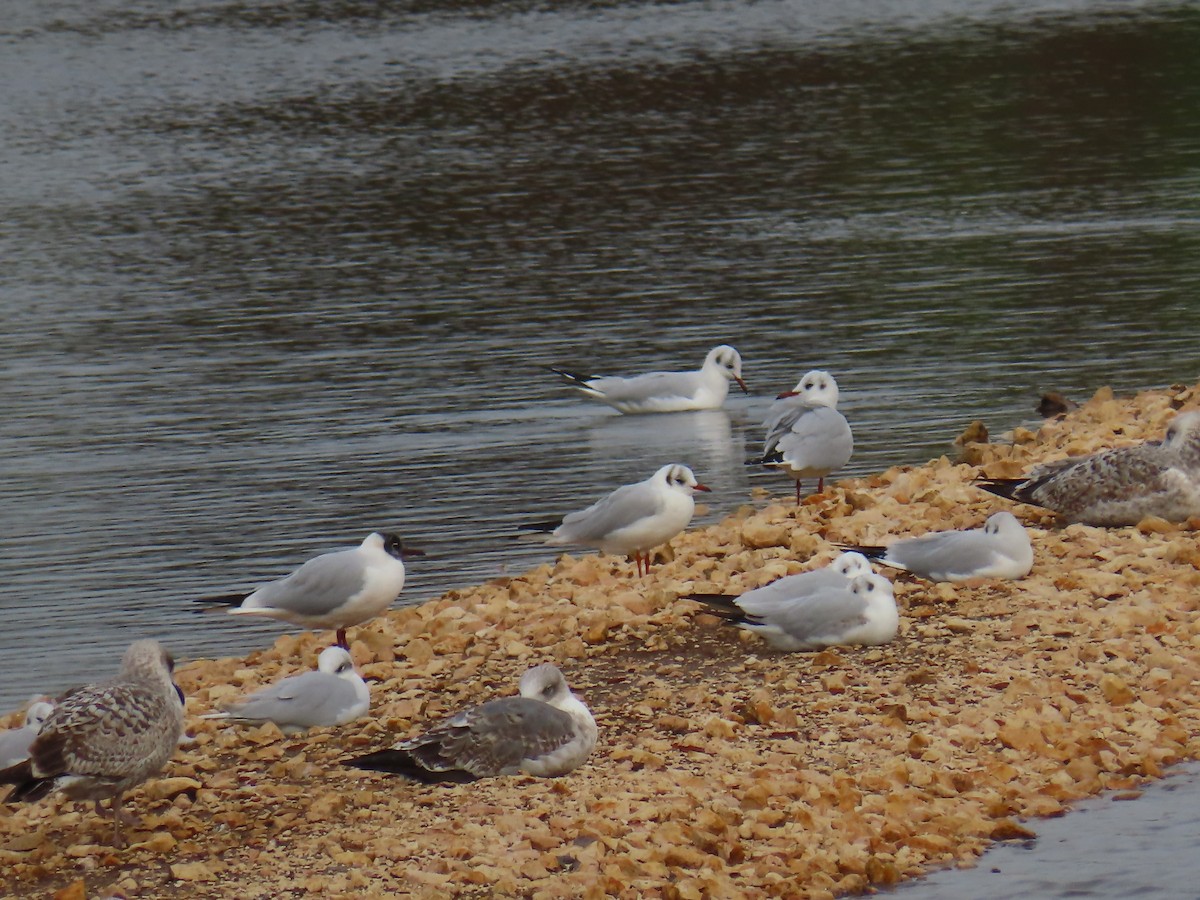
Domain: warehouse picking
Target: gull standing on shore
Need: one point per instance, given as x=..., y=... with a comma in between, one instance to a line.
x=333, y=695
x=1120, y=486
x=100, y=740
x=658, y=392
x=1000, y=549
x=861, y=612
x=546, y=731
x=334, y=590
x=806, y=436
x=633, y=519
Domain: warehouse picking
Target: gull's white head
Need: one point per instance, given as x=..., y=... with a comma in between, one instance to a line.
x=851, y=564
x=1184, y=432
x=816, y=388
x=728, y=362
x=36, y=714
x=678, y=477
x=336, y=661
x=1003, y=523
x=875, y=589
x=545, y=683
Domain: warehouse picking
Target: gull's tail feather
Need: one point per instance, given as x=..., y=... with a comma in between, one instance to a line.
x=403, y=763
x=572, y=377
x=1008, y=488
x=221, y=601
x=27, y=786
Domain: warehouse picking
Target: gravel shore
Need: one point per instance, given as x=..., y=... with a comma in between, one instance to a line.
x=724, y=769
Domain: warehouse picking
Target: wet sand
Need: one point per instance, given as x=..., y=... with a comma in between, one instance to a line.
x=723, y=768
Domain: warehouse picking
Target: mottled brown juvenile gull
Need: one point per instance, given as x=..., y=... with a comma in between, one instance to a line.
x=1000, y=549
x=785, y=592
x=334, y=590
x=103, y=739
x=546, y=731
x=659, y=392
x=806, y=435
x=633, y=519
x=333, y=695
x=1120, y=486
x=14, y=743
x=861, y=612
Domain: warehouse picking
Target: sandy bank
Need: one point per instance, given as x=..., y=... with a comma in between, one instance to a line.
x=724, y=769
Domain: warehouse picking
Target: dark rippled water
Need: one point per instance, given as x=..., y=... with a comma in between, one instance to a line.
x=276, y=274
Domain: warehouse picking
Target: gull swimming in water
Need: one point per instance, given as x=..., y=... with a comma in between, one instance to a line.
x=333, y=590
x=1000, y=549
x=658, y=392
x=102, y=739
x=633, y=519
x=860, y=612
x=333, y=695
x=784, y=592
x=806, y=436
x=546, y=731
x=14, y=743
x=1120, y=486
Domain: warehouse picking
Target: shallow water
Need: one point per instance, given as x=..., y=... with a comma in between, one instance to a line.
x=277, y=275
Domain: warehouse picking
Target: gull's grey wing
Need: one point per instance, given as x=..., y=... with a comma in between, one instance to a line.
x=320, y=585
x=652, y=384
x=309, y=699
x=945, y=553
x=821, y=438
x=782, y=415
x=769, y=598
x=14, y=745
x=825, y=613
x=621, y=508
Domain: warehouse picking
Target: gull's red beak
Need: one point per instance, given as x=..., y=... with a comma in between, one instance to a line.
x=702, y=487
x=787, y=394
x=741, y=384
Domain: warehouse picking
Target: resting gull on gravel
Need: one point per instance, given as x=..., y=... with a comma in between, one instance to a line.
x=546, y=731
x=1120, y=486
x=333, y=695
x=333, y=590
x=14, y=743
x=633, y=519
x=861, y=612
x=659, y=392
x=1000, y=549
x=786, y=591
x=806, y=435
x=102, y=739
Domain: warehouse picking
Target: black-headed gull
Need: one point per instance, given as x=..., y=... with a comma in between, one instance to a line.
x=1000, y=549
x=546, y=731
x=14, y=743
x=805, y=434
x=333, y=695
x=1120, y=486
x=633, y=519
x=101, y=740
x=334, y=590
x=784, y=592
x=862, y=611
x=659, y=392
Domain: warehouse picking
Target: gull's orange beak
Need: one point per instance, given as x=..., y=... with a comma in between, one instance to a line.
x=787, y=394
x=741, y=384
x=702, y=487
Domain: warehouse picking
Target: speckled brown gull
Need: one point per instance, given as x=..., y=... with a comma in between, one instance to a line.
x=806, y=436
x=546, y=731
x=103, y=739
x=1000, y=549
x=333, y=590
x=1120, y=486
x=333, y=695
x=14, y=743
